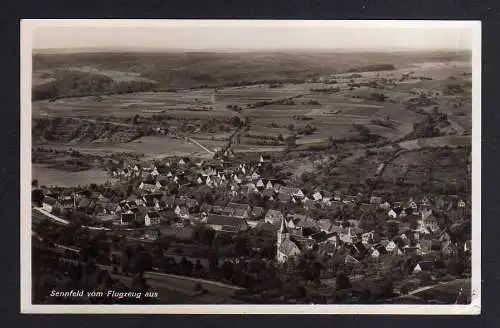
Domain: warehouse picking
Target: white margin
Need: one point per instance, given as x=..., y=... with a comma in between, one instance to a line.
x=28, y=25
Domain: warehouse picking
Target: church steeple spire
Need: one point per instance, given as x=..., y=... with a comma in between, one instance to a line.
x=283, y=227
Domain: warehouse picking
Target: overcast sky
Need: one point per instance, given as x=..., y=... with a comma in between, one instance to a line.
x=252, y=35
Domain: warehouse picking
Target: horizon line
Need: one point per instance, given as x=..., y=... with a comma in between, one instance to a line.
x=239, y=50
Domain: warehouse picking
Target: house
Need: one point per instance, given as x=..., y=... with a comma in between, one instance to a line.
x=67, y=202
x=306, y=223
x=429, y=221
x=49, y=203
x=391, y=247
x=423, y=266
x=226, y=223
x=191, y=204
x=127, y=217
x=367, y=237
x=260, y=184
x=266, y=227
x=182, y=212
x=150, y=200
x=308, y=203
x=257, y=212
x=385, y=205
x=349, y=259
x=392, y=214
x=374, y=253
x=324, y=225
x=86, y=204
x=151, y=234
x=151, y=218
x=273, y=216
x=337, y=195
x=269, y=185
x=425, y=202
x=169, y=201
x=236, y=206
x=350, y=199
x=205, y=208
x=317, y=196
x=468, y=246
x=148, y=187
x=375, y=200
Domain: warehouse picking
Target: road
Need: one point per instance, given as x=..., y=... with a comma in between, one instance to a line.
x=40, y=214
x=170, y=286
x=188, y=139
x=452, y=292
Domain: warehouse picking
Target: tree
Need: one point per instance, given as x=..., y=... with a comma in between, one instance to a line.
x=37, y=197
x=342, y=281
x=135, y=120
x=142, y=261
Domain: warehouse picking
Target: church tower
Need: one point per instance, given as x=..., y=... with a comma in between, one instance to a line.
x=282, y=235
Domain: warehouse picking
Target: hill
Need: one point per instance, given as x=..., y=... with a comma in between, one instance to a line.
x=76, y=74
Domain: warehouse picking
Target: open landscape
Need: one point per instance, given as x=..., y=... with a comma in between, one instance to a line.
x=253, y=177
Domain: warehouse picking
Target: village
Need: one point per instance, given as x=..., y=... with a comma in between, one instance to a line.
x=237, y=207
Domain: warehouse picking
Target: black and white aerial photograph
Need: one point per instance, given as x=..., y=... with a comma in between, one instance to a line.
x=250, y=164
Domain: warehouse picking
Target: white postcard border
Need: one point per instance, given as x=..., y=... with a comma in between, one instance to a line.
x=27, y=28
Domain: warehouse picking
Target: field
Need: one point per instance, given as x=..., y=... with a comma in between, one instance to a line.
x=150, y=147
x=445, y=141
x=53, y=177
x=314, y=97
x=186, y=103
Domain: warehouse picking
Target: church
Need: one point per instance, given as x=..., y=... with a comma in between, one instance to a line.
x=285, y=247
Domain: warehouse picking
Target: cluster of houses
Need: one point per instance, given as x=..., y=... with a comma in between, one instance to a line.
x=295, y=232
x=300, y=233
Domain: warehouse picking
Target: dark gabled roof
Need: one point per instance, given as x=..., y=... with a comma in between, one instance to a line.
x=350, y=198
x=306, y=222
x=287, y=247
x=224, y=220
x=85, y=202
x=127, y=216
x=258, y=211
x=283, y=197
x=365, y=207
x=153, y=214
x=380, y=248
x=238, y=206
x=400, y=242
x=206, y=208
x=274, y=213
x=319, y=236
x=190, y=202
x=240, y=212
x=327, y=194
x=149, y=199
x=266, y=226
x=268, y=193
x=398, y=210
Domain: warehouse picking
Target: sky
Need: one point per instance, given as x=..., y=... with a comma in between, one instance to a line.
x=251, y=35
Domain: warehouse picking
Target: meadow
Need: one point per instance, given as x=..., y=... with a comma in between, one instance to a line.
x=53, y=177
